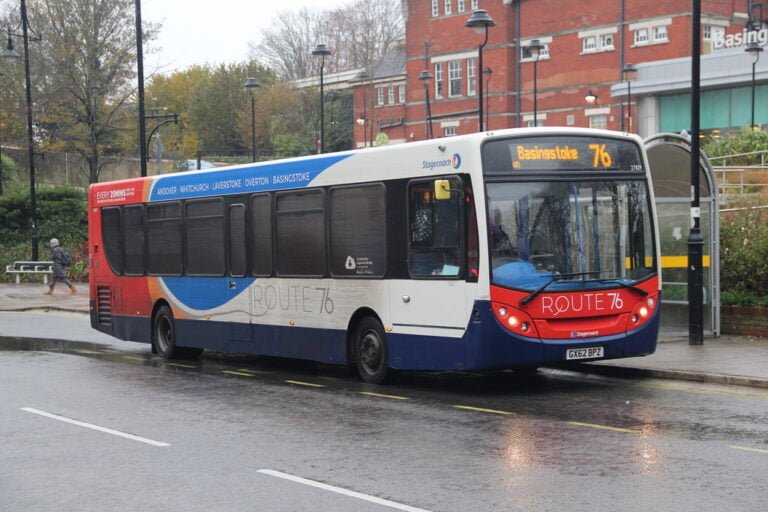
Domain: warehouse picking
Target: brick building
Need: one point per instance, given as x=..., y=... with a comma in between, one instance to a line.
x=586, y=45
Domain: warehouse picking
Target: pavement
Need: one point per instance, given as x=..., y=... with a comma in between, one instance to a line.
x=732, y=360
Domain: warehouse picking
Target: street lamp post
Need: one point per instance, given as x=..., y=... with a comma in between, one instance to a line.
x=12, y=54
x=695, y=239
x=140, y=73
x=322, y=51
x=251, y=84
x=534, y=50
x=754, y=49
x=425, y=76
x=487, y=72
x=480, y=21
x=629, y=73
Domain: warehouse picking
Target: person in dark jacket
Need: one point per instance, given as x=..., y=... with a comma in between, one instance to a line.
x=60, y=263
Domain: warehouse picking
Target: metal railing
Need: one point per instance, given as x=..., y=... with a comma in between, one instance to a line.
x=731, y=177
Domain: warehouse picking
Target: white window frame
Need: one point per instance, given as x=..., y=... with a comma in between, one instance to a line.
x=454, y=78
x=391, y=95
x=650, y=32
x=600, y=40
x=475, y=5
x=543, y=54
x=471, y=77
x=449, y=131
x=598, y=121
x=448, y=7
x=401, y=94
x=380, y=96
x=439, y=86
x=589, y=44
x=435, y=8
x=461, y=5
x=607, y=42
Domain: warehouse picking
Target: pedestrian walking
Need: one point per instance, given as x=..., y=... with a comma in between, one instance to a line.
x=61, y=261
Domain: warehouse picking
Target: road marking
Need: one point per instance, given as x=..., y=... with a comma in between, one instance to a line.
x=339, y=490
x=746, y=449
x=480, y=409
x=253, y=372
x=381, y=395
x=238, y=373
x=302, y=383
x=84, y=351
x=134, y=358
x=704, y=391
x=604, y=427
x=179, y=365
x=94, y=427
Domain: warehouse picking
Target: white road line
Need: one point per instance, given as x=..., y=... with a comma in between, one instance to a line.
x=94, y=427
x=339, y=490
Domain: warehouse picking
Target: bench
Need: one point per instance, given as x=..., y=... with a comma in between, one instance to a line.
x=30, y=267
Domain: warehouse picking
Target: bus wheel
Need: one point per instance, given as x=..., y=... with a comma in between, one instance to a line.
x=371, y=351
x=164, y=337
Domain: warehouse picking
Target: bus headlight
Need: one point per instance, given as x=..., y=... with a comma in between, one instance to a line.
x=514, y=320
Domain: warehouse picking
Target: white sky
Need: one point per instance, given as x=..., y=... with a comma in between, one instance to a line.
x=211, y=31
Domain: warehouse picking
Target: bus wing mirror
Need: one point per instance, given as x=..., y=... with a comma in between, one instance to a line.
x=442, y=190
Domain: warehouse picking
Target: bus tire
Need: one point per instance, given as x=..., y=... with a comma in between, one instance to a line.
x=164, y=337
x=371, y=351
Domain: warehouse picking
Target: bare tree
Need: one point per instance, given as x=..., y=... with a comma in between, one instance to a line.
x=358, y=34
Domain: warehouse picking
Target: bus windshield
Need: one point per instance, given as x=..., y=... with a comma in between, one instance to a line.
x=593, y=230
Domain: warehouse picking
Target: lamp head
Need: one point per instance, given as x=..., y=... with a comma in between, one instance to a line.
x=321, y=49
x=480, y=21
x=535, y=48
x=591, y=97
x=754, y=49
x=629, y=71
x=425, y=76
x=9, y=52
x=251, y=84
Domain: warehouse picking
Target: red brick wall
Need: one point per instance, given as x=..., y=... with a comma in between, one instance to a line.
x=564, y=79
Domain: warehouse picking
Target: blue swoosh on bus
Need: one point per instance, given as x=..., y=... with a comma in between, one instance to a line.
x=242, y=180
x=204, y=293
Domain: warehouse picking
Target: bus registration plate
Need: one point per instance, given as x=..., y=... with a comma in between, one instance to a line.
x=583, y=353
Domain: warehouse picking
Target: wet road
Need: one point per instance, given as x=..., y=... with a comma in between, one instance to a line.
x=103, y=425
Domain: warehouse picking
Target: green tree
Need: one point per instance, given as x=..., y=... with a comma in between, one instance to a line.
x=85, y=63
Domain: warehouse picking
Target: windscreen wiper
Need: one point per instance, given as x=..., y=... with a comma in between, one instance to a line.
x=556, y=276
x=624, y=285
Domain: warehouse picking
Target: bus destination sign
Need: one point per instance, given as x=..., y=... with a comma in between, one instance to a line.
x=561, y=154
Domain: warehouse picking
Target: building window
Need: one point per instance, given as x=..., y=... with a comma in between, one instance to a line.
x=401, y=94
x=597, y=42
x=589, y=44
x=380, y=96
x=714, y=33
x=471, y=77
x=475, y=5
x=447, y=7
x=641, y=36
x=435, y=8
x=539, y=122
x=454, y=78
x=439, y=80
x=391, y=95
x=599, y=121
x=570, y=120
x=606, y=42
x=449, y=131
x=525, y=54
x=660, y=33
x=461, y=5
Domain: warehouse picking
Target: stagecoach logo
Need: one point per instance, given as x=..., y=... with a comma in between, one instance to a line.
x=454, y=162
x=350, y=263
x=584, y=334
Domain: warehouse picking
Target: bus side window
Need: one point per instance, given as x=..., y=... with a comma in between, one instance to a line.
x=434, y=231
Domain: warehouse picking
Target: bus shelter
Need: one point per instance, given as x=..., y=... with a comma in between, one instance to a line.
x=669, y=157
